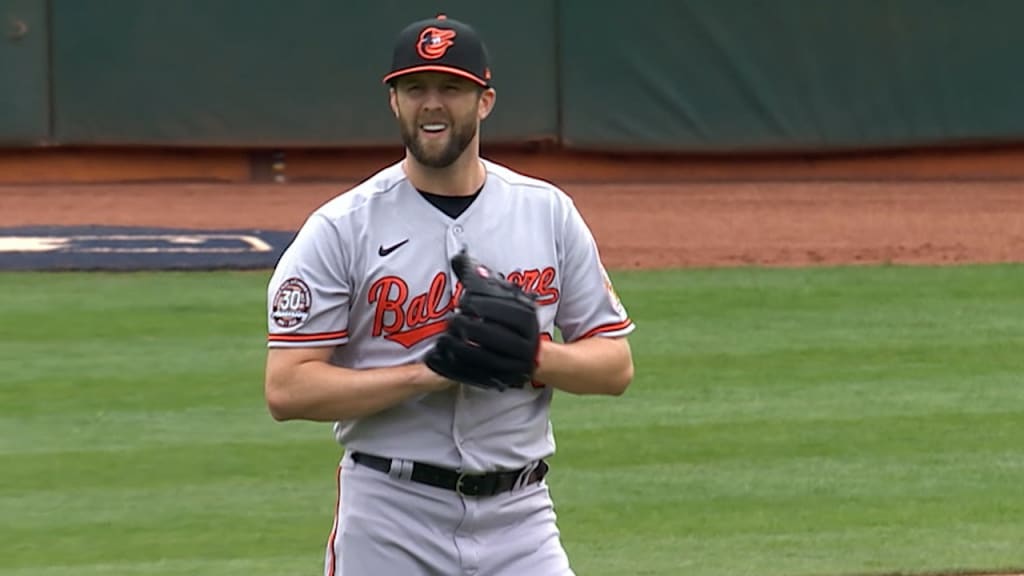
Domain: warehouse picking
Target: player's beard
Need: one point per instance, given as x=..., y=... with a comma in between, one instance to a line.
x=460, y=134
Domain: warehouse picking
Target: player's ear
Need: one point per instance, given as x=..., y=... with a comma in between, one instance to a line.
x=487, y=98
x=393, y=101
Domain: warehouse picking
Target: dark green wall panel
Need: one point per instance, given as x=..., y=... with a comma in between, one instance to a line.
x=24, y=82
x=272, y=73
x=746, y=75
x=687, y=75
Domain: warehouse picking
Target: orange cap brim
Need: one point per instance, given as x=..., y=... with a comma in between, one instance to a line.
x=436, y=68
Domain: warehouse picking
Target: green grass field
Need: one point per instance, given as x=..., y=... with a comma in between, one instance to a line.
x=782, y=422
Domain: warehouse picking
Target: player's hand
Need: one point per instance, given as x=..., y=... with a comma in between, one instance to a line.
x=493, y=338
x=431, y=381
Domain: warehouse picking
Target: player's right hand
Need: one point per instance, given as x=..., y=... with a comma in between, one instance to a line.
x=431, y=381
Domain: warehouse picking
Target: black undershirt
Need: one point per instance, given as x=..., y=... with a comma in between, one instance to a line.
x=453, y=206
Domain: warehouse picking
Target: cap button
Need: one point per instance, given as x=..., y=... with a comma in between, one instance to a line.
x=442, y=17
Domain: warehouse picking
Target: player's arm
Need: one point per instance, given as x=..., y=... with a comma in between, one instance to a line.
x=308, y=299
x=596, y=356
x=594, y=365
x=300, y=384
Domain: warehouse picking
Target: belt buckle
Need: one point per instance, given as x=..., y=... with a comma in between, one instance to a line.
x=458, y=484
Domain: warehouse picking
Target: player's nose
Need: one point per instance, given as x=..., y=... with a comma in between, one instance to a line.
x=432, y=100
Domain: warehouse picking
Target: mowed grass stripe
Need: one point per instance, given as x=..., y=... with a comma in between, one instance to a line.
x=223, y=497
x=821, y=421
x=152, y=430
x=168, y=466
x=261, y=566
x=884, y=549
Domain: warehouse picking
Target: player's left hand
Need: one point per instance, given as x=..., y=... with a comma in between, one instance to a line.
x=493, y=339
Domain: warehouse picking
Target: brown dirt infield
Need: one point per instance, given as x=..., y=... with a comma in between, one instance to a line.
x=645, y=214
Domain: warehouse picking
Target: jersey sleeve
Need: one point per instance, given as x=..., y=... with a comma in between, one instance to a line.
x=308, y=294
x=588, y=305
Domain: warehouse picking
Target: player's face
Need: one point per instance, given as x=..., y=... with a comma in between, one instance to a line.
x=438, y=115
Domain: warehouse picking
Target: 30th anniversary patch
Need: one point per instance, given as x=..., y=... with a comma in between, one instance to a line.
x=292, y=303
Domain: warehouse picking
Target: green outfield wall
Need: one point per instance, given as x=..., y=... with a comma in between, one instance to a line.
x=25, y=110
x=682, y=76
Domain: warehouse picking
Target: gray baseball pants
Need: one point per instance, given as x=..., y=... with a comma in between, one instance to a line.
x=389, y=526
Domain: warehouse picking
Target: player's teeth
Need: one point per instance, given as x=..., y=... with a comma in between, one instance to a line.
x=434, y=127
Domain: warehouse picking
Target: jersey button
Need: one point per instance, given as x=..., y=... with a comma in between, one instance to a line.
x=457, y=229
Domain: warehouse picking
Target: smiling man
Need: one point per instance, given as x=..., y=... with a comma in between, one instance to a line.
x=417, y=313
x=439, y=115
x=440, y=91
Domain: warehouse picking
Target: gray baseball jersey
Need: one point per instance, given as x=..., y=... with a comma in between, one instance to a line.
x=369, y=272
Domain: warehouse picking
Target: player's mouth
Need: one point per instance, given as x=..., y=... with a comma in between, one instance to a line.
x=434, y=128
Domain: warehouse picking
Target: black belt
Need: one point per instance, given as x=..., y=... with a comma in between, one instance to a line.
x=465, y=484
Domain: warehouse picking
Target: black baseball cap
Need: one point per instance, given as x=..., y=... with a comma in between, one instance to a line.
x=440, y=45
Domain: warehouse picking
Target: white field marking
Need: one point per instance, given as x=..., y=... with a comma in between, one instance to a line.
x=31, y=243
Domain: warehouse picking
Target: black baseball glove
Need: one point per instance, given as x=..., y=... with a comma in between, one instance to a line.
x=492, y=339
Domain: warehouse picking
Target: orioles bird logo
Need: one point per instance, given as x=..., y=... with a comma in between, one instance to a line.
x=434, y=42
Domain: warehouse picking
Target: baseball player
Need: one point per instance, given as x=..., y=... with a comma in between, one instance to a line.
x=417, y=312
